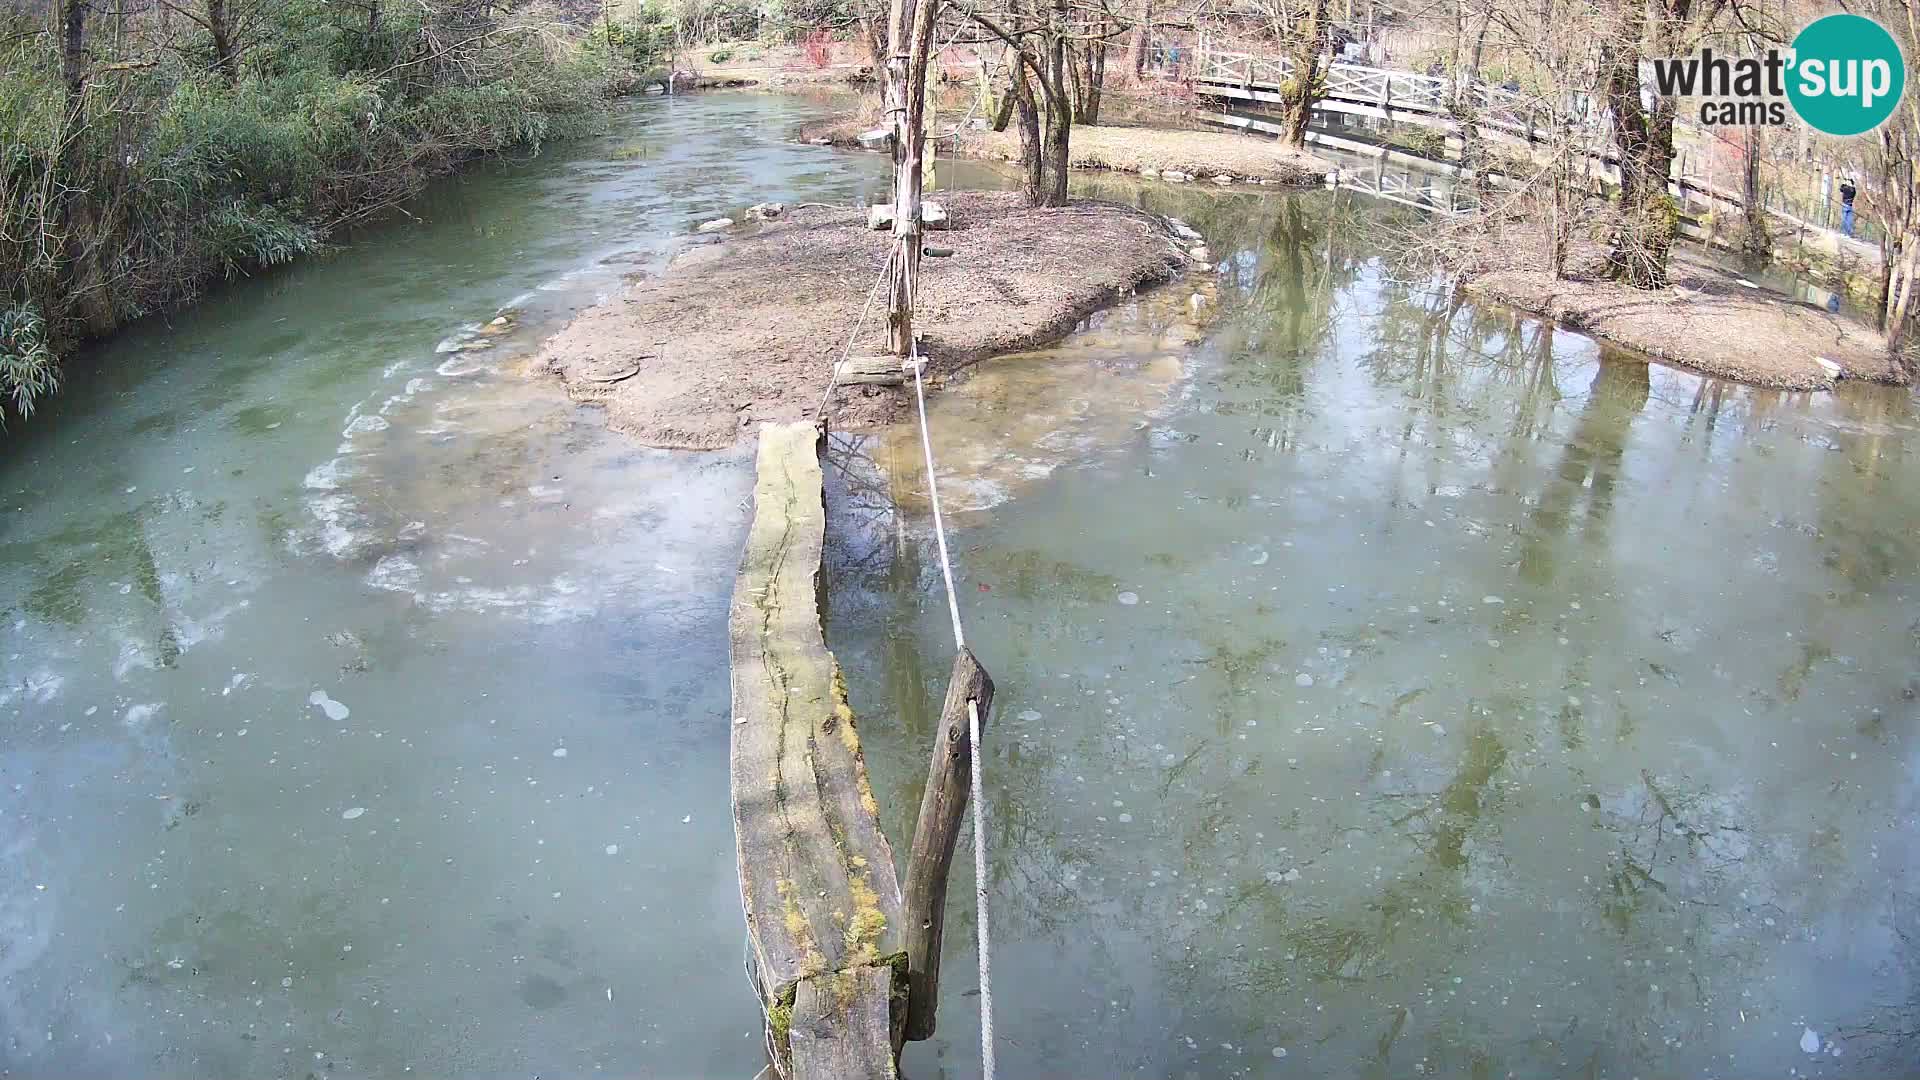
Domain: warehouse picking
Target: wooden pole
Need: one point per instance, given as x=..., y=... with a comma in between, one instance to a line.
x=943, y=806
x=906, y=101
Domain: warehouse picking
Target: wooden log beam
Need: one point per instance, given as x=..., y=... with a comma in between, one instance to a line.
x=943, y=806
x=842, y=1025
x=874, y=370
x=816, y=873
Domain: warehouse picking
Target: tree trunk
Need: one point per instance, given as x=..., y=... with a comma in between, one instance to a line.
x=1900, y=298
x=1032, y=161
x=1756, y=241
x=907, y=101
x=1644, y=235
x=1087, y=64
x=73, y=49
x=868, y=19
x=1310, y=45
x=1059, y=109
x=220, y=25
x=1142, y=39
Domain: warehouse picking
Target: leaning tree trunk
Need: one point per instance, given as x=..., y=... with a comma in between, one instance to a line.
x=1003, y=111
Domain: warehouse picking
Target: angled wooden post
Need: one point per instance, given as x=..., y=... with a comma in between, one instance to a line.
x=943, y=806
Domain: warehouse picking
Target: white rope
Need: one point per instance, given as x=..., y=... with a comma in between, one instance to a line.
x=973, y=734
x=933, y=492
x=833, y=377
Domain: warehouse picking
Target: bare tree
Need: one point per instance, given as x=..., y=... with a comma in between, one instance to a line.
x=910, y=35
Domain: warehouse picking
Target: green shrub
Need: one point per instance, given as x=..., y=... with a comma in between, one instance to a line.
x=27, y=371
x=162, y=178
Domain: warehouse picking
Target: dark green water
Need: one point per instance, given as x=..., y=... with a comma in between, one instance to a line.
x=1484, y=705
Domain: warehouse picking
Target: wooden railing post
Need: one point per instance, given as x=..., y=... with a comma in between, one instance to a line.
x=942, y=808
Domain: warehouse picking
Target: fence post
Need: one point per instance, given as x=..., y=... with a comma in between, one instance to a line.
x=943, y=807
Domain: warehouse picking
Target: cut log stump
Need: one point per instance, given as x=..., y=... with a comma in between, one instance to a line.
x=816, y=873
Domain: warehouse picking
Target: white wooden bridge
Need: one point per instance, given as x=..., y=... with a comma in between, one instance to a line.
x=1356, y=89
x=1406, y=97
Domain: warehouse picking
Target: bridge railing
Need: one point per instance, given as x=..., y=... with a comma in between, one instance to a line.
x=1387, y=88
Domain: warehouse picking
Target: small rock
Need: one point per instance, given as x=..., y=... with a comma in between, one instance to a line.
x=1810, y=1041
x=1174, y=176
x=1223, y=178
x=352, y=812
x=1129, y=598
x=1201, y=254
x=1832, y=369
x=765, y=211
x=1303, y=679
x=1150, y=174
x=1279, y=1051
x=716, y=225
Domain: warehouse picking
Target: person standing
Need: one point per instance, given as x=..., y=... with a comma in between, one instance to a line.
x=1846, y=206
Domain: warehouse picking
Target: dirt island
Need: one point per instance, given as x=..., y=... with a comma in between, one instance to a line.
x=748, y=329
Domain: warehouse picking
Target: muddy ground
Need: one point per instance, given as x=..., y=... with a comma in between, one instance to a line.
x=1707, y=321
x=748, y=329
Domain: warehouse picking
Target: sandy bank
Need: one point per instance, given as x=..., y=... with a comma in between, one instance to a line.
x=1707, y=321
x=747, y=330
x=1189, y=155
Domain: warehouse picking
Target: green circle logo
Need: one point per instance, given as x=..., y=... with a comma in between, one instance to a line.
x=1846, y=75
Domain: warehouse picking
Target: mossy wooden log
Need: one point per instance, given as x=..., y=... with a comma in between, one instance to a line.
x=943, y=806
x=841, y=1025
x=816, y=873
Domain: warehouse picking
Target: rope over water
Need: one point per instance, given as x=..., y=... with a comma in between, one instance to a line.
x=917, y=365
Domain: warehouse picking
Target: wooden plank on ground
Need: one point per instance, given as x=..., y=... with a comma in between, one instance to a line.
x=816, y=873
